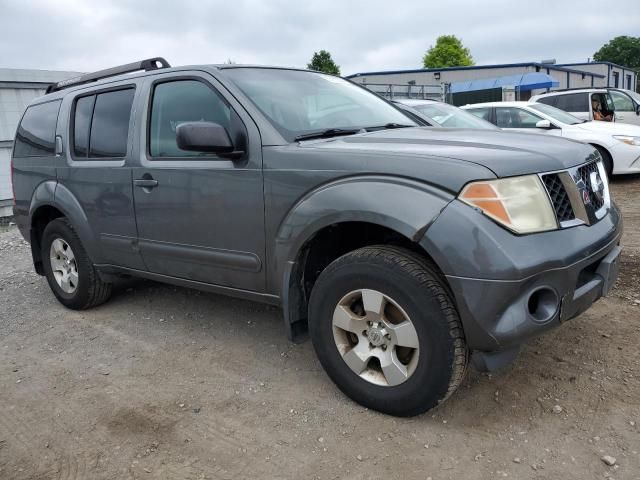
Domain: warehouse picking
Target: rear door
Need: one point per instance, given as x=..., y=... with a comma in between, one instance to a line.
x=97, y=171
x=577, y=104
x=203, y=217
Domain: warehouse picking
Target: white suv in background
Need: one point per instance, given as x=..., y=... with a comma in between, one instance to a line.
x=618, y=143
x=624, y=103
x=578, y=102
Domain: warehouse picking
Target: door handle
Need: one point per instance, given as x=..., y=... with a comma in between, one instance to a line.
x=145, y=183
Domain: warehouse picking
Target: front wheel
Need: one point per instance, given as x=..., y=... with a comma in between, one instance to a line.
x=69, y=271
x=386, y=330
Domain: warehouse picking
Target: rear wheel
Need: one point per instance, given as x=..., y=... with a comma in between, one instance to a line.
x=69, y=271
x=386, y=331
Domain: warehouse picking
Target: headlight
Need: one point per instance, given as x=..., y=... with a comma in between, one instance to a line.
x=520, y=204
x=628, y=140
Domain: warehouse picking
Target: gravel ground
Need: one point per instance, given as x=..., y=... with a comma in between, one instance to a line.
x=169, y=383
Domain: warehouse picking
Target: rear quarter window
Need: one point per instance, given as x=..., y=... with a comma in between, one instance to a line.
x=36, y=134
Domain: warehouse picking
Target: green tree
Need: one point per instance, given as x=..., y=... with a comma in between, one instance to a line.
x=322, y=62
x=447, y=52
x=622, y=50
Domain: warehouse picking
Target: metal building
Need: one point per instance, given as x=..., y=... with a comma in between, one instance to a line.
x=463, y=80
x=17, y=88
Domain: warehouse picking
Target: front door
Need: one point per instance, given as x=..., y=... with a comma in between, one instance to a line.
x=519, y=119
x=200, y=216
x=625, y=108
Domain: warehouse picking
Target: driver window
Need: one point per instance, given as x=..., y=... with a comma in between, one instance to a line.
x=178, y=102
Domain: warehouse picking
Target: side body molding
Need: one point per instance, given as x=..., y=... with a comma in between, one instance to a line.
x=405, y=206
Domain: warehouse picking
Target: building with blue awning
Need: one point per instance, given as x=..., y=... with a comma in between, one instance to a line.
x=461, y=85
x=524, y=82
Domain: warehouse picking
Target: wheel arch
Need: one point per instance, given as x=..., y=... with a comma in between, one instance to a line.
x=50, y=203
x=347, y=216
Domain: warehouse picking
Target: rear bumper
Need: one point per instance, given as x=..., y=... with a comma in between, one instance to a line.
x=522, y=286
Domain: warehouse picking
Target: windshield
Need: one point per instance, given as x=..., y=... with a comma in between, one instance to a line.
x=450, y=116
x=555, y=113
x=299, y=102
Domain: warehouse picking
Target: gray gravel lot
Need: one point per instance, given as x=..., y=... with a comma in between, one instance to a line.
x=169, y=383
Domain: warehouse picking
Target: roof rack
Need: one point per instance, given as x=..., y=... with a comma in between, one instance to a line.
x=143, y=65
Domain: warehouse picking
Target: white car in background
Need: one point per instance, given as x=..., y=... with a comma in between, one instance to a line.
x=445, y=115
x=618, y=143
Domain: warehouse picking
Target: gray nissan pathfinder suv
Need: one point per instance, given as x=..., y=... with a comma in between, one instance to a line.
x=403, y=251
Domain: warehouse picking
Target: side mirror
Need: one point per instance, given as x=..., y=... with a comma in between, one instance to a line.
x=637, y=109
x=203, y=137
x=543, y=124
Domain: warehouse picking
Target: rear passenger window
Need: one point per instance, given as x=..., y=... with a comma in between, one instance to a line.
x=178, y=102
x=36, y=134
x=573, y=102
x=101, y=124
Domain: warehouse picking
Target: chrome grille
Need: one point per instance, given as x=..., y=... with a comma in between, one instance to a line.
x=576, y=199
x=559, y=197
x=584, y=173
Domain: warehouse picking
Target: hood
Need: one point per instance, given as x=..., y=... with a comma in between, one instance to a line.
x=504, y=153
x=612, y=128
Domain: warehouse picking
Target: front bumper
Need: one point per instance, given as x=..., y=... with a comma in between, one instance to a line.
x=626, y=158
x=509, y=288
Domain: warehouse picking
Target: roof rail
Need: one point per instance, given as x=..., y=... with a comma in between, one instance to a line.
x=558, y=90
x=146, y=65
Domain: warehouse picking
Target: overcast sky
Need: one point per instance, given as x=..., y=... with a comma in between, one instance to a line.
x=361, y=35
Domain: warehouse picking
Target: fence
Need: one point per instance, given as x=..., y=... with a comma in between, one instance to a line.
x=394, y=91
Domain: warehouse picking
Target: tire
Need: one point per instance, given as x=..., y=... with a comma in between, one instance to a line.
x=84, y=288
x=412, y=289
x=607, y=160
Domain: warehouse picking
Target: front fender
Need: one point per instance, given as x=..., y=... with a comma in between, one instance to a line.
x=405, y=206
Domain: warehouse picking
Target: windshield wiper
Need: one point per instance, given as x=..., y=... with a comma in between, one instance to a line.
x=329, y=132
x=389, y=126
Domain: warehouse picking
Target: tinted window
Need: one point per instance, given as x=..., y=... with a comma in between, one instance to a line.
x=81, y=124
x=550, y=100
x=621, y=102
x=178, y=102
x=37, y=131
x=573, y=102
x=110, y=124
x=515, y=118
